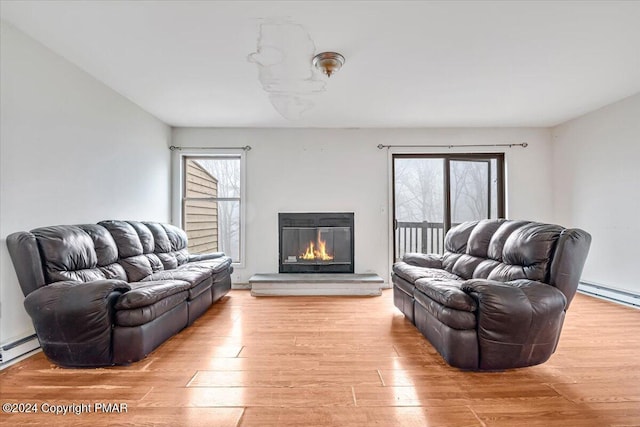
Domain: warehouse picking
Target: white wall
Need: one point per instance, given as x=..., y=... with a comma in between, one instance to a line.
x=72, y=151
x=597, y=187
x=299, y=170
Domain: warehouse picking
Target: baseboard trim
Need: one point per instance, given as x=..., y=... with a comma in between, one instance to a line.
x=607, y=293
x=13, y=351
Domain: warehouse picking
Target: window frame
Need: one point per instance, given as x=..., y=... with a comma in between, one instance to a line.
x=178, y=185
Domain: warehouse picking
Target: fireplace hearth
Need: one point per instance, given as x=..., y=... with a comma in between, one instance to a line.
x=316, y=242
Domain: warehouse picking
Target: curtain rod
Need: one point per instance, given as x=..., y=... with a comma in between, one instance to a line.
x=175, y=147
x=523, y=145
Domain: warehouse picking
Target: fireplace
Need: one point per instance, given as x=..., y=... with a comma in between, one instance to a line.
x=315, y=242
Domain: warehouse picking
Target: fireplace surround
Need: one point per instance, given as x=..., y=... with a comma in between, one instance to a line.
x=318, y=242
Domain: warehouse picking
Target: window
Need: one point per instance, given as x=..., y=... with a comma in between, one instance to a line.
x=432, y=193
x=212, y=203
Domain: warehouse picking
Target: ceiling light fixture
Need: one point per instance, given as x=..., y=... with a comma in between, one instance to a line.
x=328, y=62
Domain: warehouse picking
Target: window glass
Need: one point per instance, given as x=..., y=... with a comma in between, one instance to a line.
x=432, y=193
x=211, y=213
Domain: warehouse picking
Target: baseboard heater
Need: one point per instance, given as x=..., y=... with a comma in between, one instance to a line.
x=15, y=349
x=610, y=294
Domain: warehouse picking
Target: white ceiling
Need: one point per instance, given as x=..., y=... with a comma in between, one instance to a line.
x=408, y=63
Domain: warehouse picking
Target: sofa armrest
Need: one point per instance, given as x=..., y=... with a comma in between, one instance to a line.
x=518, y=322
x=423, y=260
x=23, y=249
x=204, y=257
x=73, y=320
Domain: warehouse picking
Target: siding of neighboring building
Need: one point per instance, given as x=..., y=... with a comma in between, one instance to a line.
x=201, y=216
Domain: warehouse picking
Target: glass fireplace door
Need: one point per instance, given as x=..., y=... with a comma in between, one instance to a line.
x=316, y=242
x=316, y=245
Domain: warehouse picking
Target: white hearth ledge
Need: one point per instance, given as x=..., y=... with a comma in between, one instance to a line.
x=295, y=284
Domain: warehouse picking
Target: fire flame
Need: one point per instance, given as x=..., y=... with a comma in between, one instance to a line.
x=311, y=253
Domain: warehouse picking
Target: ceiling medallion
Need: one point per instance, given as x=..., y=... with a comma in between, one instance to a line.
x=328, y=62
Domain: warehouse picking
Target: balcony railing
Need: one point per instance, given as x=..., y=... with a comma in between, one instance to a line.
x=425, y=237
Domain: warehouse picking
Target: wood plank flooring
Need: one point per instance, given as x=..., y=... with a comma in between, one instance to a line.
x=340, y=361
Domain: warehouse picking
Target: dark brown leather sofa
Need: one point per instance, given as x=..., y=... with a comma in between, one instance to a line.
x=110, y=293
x=497, y=297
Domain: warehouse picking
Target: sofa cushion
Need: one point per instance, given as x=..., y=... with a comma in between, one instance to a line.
x=198, y=280
x=106, y=254
x=405, y=286
x=500, y=237
x=412, y=273
x=456, y=239
x=82, y=253
x=170, y=244
x=480, y=237
x=144, y=235
x=86, y=275
x=531, y=246
x=154, y=262
x=169, y=262
x=65, y=250
x=193, y=277
x=506, y=272
x=103, y=244
x=205, y=256
x=455, y=319
x=125, y=236
x=144, y=314
x=484, y=268
x=215, y=265
x=148, y=293
x=177, y=237
x=449, y=259
x=162, y=243
x=137, y=267
x=447, y=293
x=200, y=288
x=465, y=265
x=104, y=247
x=132, y=242
x=423, y=260
x=114, y=271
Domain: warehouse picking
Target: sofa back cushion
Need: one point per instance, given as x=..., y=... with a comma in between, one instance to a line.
x=136, y=244
x=170, y=244
x=83, y=253
x=501, y=250
x=145, y=248
x=528, y=251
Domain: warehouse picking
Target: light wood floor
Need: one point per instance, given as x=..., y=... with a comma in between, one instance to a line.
x=342, y=361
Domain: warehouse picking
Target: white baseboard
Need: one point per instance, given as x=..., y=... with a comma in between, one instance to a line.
x=14, y=351
x=618, y=296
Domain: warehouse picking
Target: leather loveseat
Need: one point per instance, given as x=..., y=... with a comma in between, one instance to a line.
x=496, y=299
x=110, y=293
